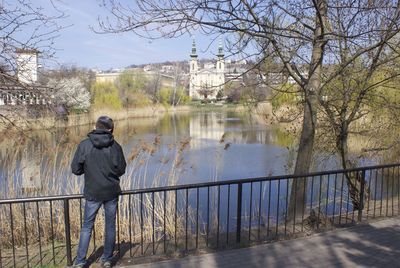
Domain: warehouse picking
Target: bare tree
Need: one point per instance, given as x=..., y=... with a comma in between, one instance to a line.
x=303, y=35
x=177, y=76
x=24, y=26
x=153, y=86
x=359, y=94
x=87, y=76
x=206, y=91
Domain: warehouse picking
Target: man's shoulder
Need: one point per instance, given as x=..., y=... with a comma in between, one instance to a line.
x=85, y=142
x=116, y=144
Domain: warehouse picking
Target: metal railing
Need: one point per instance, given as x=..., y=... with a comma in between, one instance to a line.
x=42, y=230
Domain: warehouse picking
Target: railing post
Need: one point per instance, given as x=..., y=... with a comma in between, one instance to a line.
x=362, y=190
x=239, y=212
x=67, y=232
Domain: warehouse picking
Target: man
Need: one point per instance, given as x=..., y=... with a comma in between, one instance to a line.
x=102, y=161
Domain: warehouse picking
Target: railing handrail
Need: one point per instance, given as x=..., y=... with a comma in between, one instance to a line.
x=199, y=185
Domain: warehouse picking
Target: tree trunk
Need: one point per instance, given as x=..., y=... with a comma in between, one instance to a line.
x=298, y=194
x=306, y=143
x=353, y=179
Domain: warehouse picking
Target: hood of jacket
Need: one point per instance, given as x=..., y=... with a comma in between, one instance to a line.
x=101, y=138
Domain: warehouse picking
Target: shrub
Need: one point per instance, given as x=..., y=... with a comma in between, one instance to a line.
x=164, y=96
x=106, y=95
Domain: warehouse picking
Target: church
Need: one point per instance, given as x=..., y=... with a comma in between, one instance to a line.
x=206, y=82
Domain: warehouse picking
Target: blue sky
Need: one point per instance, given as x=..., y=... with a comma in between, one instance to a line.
x=79, y=45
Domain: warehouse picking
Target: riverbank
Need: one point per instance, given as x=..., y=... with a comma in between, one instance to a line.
x=13, y=118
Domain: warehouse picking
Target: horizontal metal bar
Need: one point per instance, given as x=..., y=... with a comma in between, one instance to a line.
x=40, y=199
x=250, y=180
x=202, y=185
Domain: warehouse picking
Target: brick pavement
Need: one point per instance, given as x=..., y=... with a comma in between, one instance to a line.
x=375, y=244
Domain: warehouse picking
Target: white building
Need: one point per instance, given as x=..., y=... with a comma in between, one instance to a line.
x=27, y=66
x=208, y=81
x=27, y=91
x=165, y=79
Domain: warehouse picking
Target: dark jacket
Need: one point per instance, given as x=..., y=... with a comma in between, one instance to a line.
x=102, y=161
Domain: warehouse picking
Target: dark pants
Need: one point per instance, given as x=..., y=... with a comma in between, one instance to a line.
x=91, y=209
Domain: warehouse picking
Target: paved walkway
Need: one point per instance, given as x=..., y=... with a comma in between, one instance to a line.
x=372, y=245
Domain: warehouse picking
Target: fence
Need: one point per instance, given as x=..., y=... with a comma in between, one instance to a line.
x=45, y=230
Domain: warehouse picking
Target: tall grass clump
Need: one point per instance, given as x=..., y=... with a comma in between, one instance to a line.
x=42, y=222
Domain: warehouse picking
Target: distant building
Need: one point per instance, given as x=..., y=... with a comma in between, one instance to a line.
x=23, y=89
x=165, y=80
x=107, y=77
x=208, y=81
x=167, y=68
x=27, y=65
x=148, y=68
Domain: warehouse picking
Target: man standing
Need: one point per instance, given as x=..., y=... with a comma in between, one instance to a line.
x=102, y=161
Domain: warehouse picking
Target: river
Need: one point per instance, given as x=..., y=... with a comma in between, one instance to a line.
x=179, y=148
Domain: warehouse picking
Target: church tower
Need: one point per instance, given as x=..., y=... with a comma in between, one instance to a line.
x=193, y=71
x=220, y=69
x=193, y=59
x=220, y=60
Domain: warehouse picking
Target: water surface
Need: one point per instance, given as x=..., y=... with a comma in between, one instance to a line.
x=173, y=149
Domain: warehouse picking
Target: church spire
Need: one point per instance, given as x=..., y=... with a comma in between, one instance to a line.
x=194, y=53
x=220, y=49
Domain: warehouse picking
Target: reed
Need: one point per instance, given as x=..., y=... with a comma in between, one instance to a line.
x=21, y=225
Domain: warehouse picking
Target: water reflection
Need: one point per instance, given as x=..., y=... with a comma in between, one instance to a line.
x=180, y=148
x=206, y=129
x=30, y=171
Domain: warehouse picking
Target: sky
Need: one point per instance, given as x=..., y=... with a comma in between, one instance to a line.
x=78, y=45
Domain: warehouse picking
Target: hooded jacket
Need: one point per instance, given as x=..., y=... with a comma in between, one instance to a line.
x=102, y=161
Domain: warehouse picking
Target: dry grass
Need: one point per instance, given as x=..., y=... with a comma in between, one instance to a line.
x=51, y=219
x=39, y=226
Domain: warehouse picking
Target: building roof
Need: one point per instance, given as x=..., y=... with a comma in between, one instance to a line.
x=207, y=71
x=26, y=51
